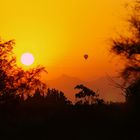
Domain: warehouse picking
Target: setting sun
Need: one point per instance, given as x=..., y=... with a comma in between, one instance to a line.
x=56, y=34
x=27, y=59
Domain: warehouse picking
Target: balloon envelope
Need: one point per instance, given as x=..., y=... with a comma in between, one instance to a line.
x=86, y=56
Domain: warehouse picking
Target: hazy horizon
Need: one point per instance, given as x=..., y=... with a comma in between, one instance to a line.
x=103, y=85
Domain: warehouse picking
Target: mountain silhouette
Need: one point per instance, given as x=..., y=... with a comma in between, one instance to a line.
x=67, y=83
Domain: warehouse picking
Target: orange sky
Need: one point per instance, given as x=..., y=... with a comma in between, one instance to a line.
x=60, y=32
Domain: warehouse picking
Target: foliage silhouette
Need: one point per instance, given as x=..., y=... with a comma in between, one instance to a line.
x=14, y=81
x=87, y=96
x=56, y=97
x=47, y=113
x=128, y=47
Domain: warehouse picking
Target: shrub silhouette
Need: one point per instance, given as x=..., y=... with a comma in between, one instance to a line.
x=133, y=94
x=56, y=97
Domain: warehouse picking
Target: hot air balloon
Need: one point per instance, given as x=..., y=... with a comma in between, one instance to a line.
x=86, y=56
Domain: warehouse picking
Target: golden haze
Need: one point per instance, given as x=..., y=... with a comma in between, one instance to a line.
x=59, y=32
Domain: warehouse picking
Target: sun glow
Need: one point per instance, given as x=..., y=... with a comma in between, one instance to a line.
x=27, y=59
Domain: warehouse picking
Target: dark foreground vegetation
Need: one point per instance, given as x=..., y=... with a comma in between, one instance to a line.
x=29, y=110
x=47, y=118
x=52, y=116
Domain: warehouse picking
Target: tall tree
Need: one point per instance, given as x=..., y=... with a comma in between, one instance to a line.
x=128, y=47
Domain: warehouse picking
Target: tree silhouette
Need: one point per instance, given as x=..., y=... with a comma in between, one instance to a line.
x=56, y=97
x=128, y=47
x=14, y=81
x=87, y=96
